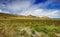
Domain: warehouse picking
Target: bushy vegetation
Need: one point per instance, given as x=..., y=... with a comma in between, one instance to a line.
x=29, y=28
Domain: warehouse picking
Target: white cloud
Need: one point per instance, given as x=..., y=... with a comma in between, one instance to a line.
x=41, y=12
x=1, y=11
x=19, y=5
x=27, y=8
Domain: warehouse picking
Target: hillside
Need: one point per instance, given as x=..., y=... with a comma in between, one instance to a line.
x=13, y=16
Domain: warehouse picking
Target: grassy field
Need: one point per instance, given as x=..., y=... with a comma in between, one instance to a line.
x=29, y=28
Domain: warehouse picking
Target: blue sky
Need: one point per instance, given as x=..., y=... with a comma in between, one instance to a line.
x=39, y=8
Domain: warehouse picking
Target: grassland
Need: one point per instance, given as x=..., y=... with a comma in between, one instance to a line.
x=29, y=27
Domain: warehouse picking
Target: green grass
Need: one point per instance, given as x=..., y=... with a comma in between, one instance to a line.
x=13, y=28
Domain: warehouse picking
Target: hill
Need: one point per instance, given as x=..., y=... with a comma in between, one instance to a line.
x=14, y=16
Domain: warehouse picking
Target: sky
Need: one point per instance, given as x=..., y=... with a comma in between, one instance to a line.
x=39, y=8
